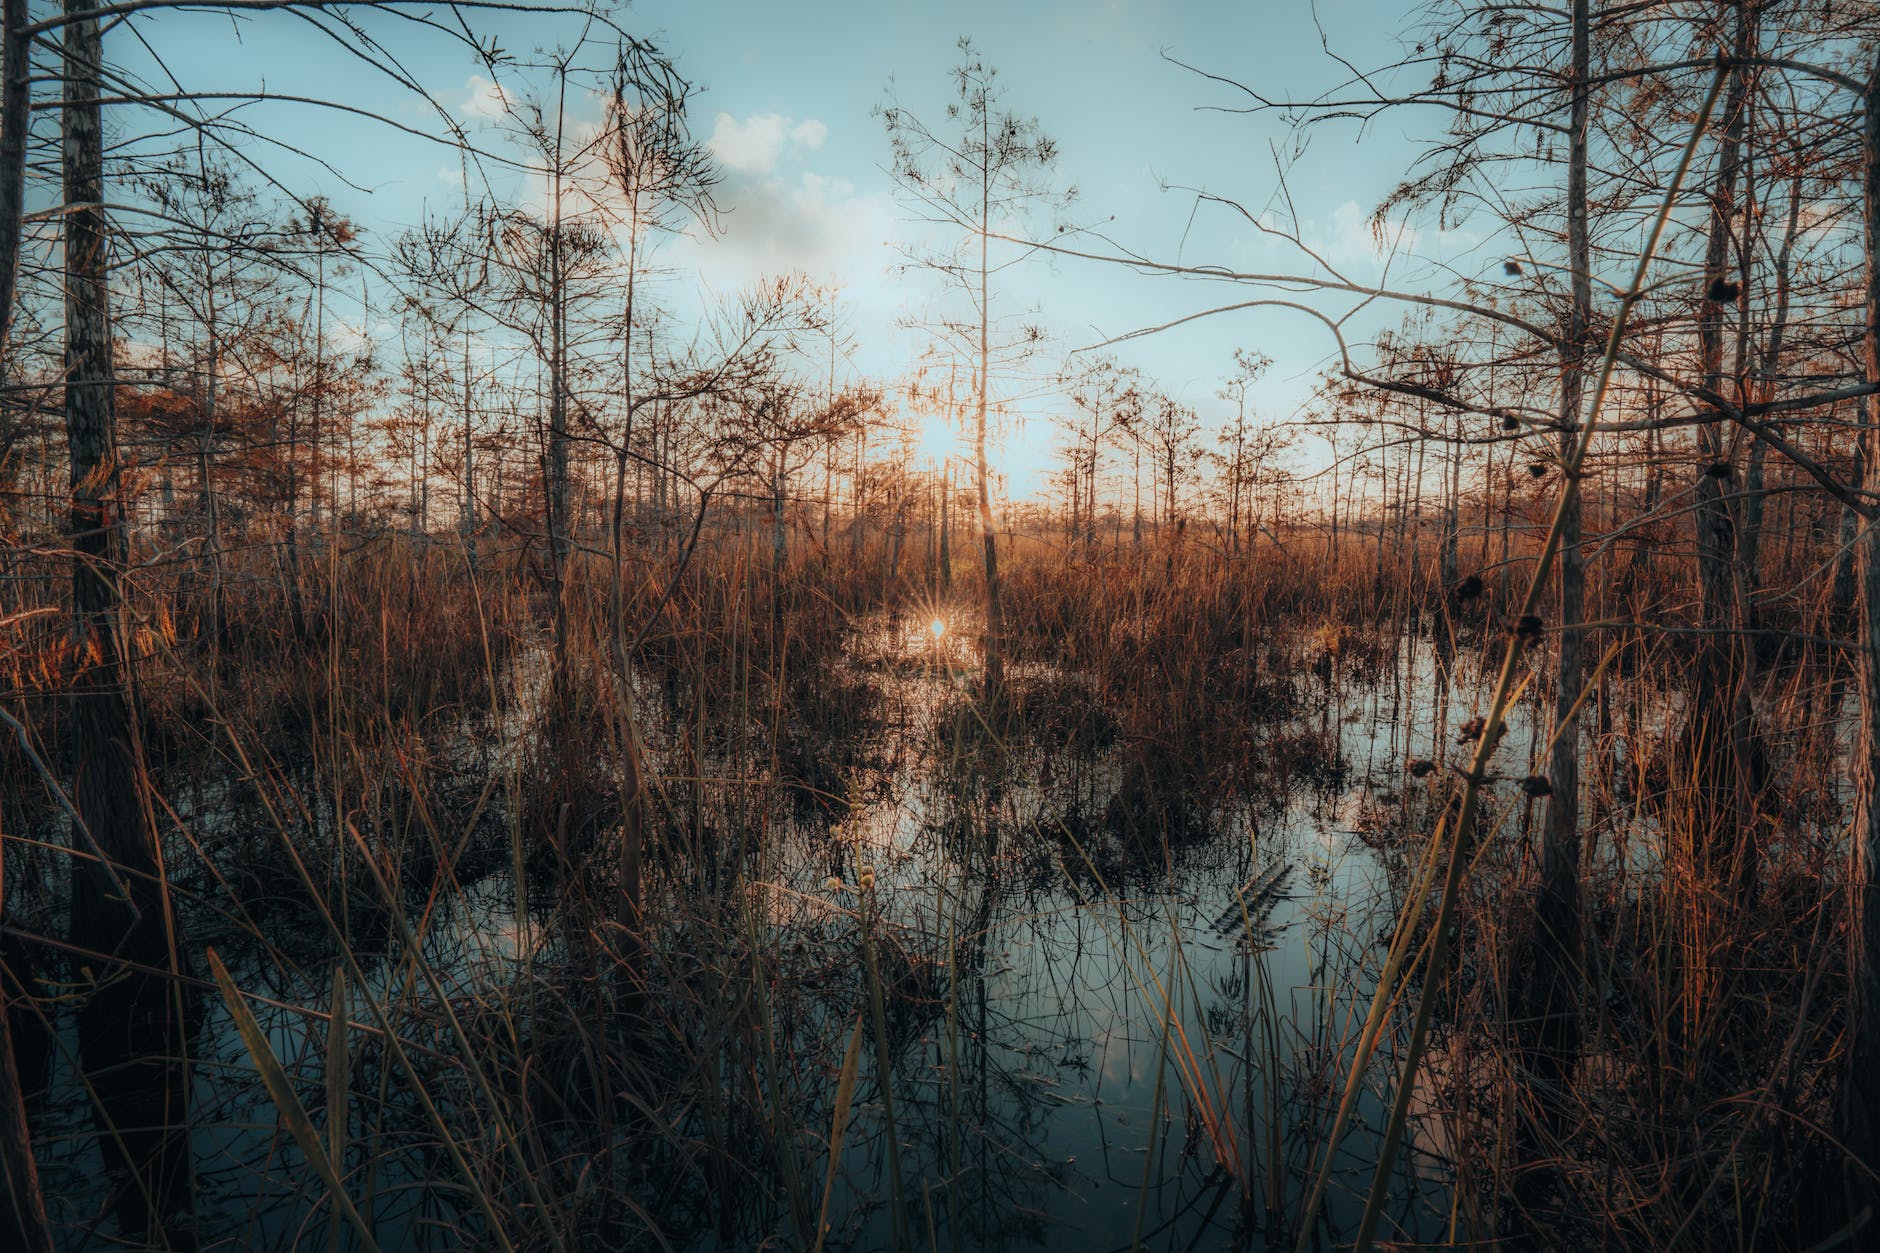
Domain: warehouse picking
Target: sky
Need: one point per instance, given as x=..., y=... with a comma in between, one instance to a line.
x=788, y=107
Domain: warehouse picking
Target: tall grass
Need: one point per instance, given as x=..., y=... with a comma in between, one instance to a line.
x=396, y=816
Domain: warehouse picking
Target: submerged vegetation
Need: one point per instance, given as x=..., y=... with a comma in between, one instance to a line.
x=497, y=751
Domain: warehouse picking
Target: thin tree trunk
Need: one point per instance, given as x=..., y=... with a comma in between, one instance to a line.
x=469, y=464
x=1723, y=736
x=995, y=607
x=556, y=471
x=1749, y=539
x=1553, y=1012
x=1847, y=534
x=1136, y=523
x=946, y=526
x=779, y=535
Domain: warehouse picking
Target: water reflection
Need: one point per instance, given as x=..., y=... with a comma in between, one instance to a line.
x=1116, y=1008
x=1125, y=1047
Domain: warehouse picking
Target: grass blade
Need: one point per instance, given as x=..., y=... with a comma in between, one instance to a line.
x=281, y=1092
x=839, y=1125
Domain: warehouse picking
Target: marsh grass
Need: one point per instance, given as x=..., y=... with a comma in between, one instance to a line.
x=397, y=819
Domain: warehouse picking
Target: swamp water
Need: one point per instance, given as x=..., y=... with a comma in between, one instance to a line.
x=1116, y=1017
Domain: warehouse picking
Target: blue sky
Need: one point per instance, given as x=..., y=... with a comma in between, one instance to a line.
x=787, y=107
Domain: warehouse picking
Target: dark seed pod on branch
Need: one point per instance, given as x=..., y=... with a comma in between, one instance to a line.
x=1722, y=291
x=1718, y=470
x=1467, y=588
x=1538, y=469
x=1471, y=730
x=1529, y=628
x=1509, y=422
x=1421, y=768
x=1511, y=268
x=1537, y=786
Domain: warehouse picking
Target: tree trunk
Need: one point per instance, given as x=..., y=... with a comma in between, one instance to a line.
x=1451, y=557
x=15, y=120
x=555, y=472
x=1722, y=734
x=24, y=1224
x=779, y=536
x=946, y=527
x=1861, y=1106
x=995, y=606
x=131, y=1030
x=1136, y=520
x=1847, y=536
x=1552, y=1014
x=469, y=464
x=1749, y=541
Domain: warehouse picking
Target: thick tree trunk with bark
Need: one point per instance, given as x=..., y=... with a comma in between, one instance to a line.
x=23, y=1221
x=1861, y=1104
x=15, y=124
x=132, y=1034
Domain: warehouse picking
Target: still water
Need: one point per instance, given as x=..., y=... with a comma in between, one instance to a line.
x=1118, y=1011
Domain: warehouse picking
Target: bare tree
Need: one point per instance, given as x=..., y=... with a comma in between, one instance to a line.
x=980, y=175
x=1248, y=367
x=1108, y=398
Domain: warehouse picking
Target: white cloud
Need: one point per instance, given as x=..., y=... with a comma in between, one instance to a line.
x=485, y=99
x=1354, y=238
x=814, y=223
x=809, y=133
x=780, y=216
x=1348, y=238
x=756, y=144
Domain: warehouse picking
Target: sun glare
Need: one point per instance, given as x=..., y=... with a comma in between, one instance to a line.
x=938, y=628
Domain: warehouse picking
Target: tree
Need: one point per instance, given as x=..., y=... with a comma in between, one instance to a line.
x=448, y=280
x=1860, y=1111
x=664, y=179
x=982, y=176
x=329, y=237
x=1108, y=398
x=133, y=1041
x=1169, y=429
x=1248, y=367
x=551, y=265
x=217, y=274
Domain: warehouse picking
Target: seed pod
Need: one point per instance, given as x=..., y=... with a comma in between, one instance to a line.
x=1722, y=291
x=1509, y=422
x=1511, y=268
x=1422, y=768
x=1471, y=730
x=1467, y=589
x=1718, y=470
x=1529, y=628
x=1537, y=786
x=1538, y=469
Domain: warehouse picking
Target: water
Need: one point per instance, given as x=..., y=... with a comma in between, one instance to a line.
x=1115, y=1017
x=1140, y=1051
